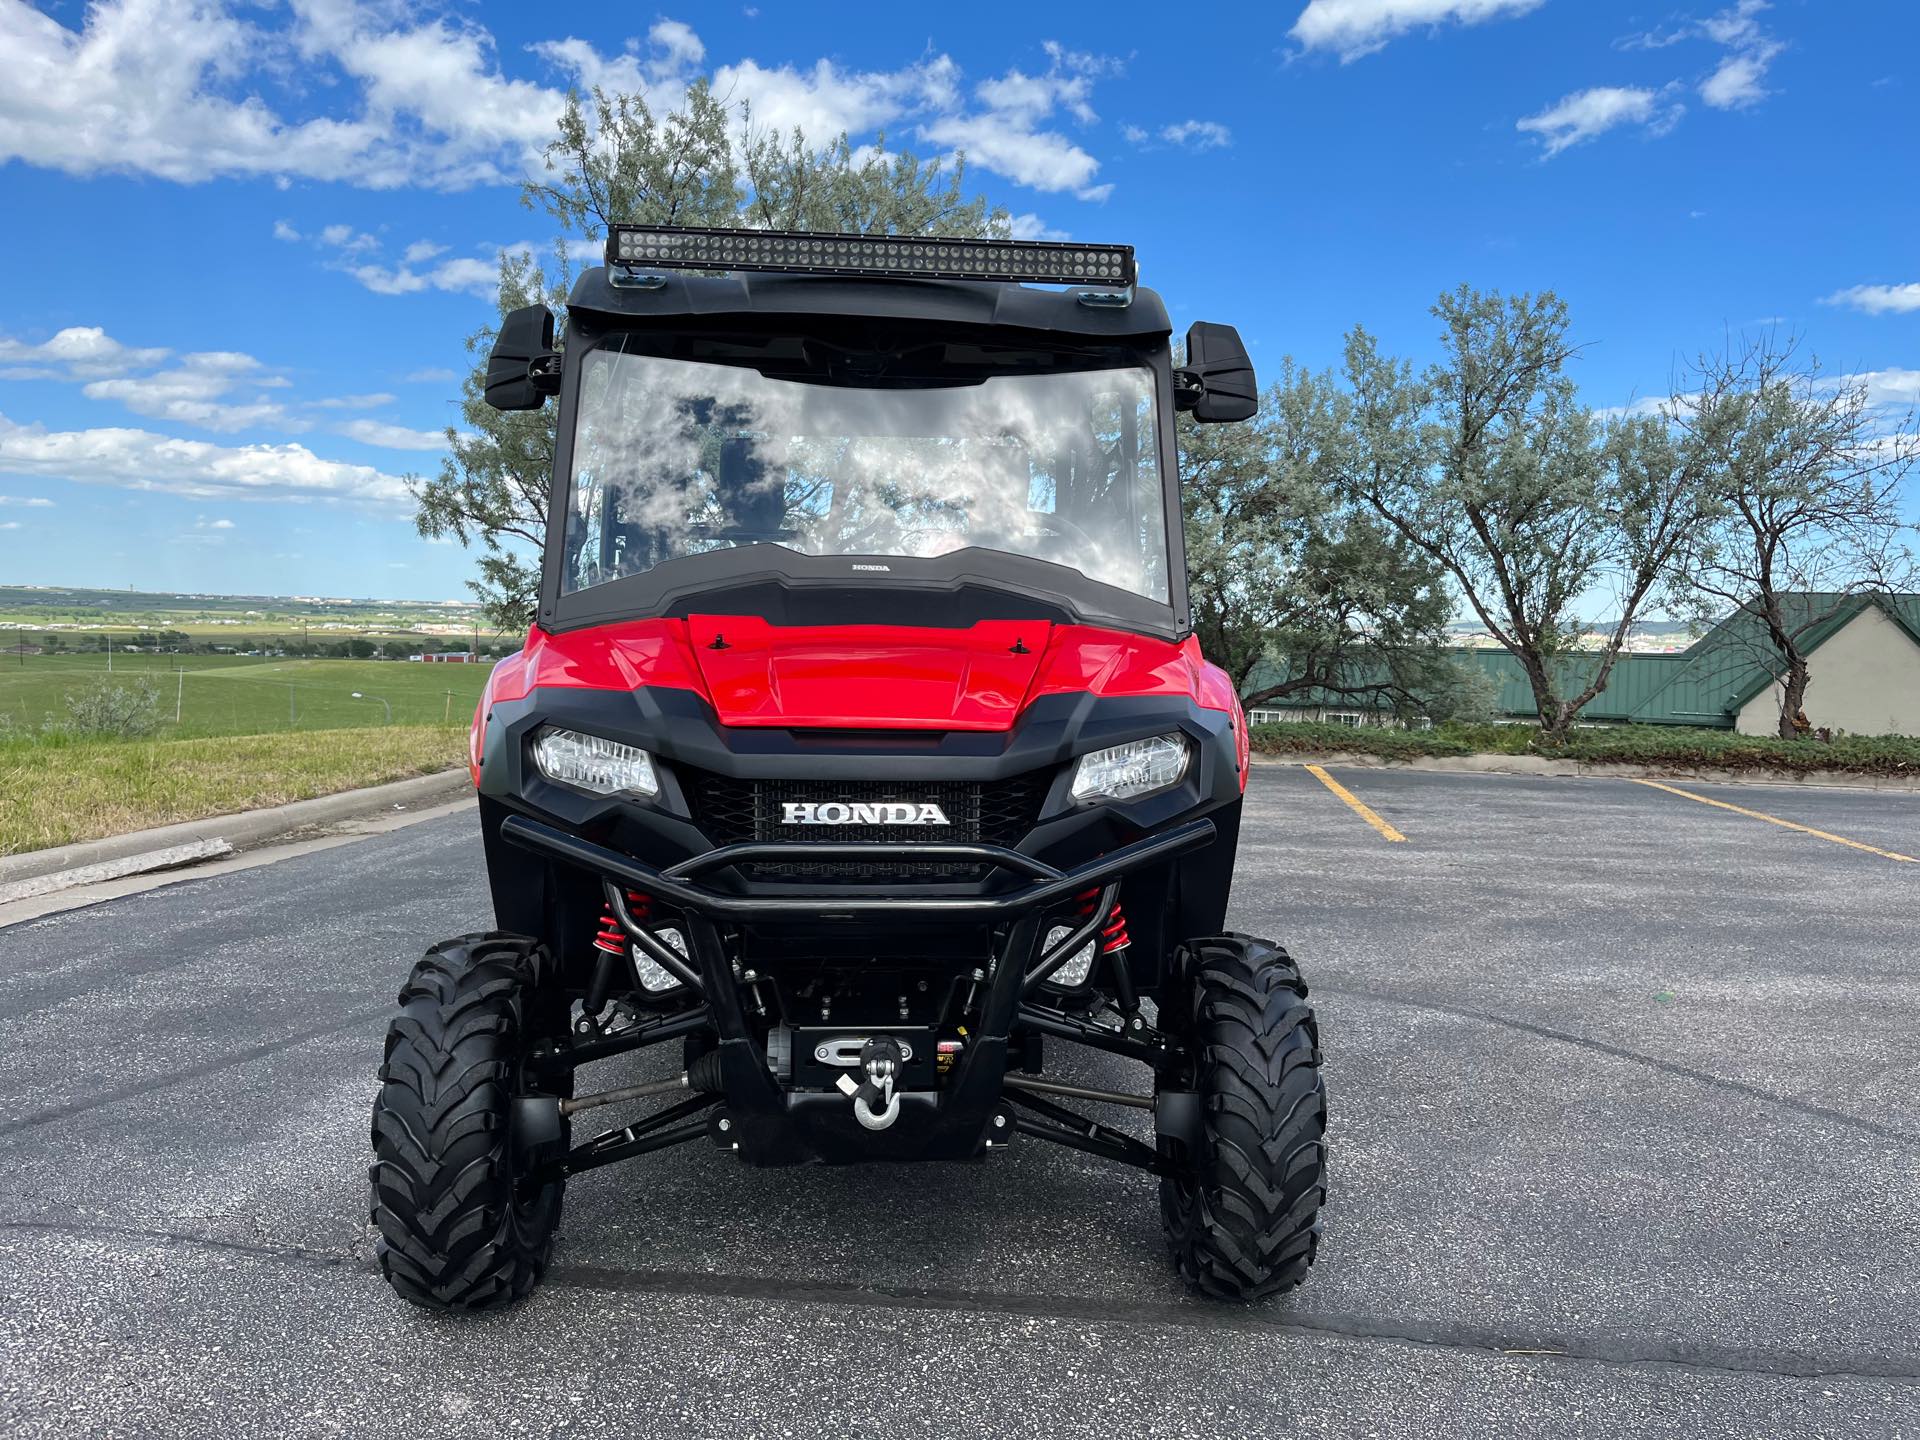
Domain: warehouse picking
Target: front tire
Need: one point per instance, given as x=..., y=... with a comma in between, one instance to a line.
x=1242, y=1212
x=462, y=1227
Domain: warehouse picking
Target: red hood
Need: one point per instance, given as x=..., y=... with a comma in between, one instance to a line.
x=863, y=677
x=881, y=677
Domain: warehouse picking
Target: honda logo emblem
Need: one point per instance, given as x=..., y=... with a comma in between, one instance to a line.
x=860, y=812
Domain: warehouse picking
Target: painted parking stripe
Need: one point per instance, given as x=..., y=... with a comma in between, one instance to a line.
x=1776, y=820
x=1354, y=803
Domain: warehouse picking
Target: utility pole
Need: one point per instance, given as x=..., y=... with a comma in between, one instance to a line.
x=109, y=654
x=290, y=715
x=446, y=711
x=179, y=691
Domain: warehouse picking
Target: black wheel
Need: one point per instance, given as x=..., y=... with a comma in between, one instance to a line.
x=462, y=1226
x=1242, y=1213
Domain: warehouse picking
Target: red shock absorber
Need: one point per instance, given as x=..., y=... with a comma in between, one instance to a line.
x=611, y=937
x=1113, y=934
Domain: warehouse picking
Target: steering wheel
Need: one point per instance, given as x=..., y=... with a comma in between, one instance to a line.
x=1067, y=530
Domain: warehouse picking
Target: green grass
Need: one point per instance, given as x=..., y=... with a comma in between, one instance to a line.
x=1657, y=746
x=236, y=695
x=54, y=794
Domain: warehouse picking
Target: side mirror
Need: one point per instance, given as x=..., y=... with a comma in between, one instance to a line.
x=1217, y=384
x=523, y=368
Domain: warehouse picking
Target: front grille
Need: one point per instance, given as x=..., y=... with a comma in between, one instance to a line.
x=997, y=812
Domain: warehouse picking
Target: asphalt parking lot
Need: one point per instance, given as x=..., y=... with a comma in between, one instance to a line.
x=1625, y=1141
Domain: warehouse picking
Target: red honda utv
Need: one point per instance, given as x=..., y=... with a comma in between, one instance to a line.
x=862, y=752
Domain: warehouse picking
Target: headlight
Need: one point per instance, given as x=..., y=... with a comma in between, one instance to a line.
x=602, y=767
x=1138, y=767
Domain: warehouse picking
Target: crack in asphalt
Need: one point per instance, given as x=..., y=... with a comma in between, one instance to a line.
x=1438, y=1335
x=67, y=1109
x=1685, y=1072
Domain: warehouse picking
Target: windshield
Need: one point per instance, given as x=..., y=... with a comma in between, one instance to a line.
x=675, y=457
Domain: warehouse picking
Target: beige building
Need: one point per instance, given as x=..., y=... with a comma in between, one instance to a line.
x=1865, y=675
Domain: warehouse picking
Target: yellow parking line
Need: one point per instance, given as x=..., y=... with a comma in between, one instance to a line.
x=1776, y=820
x=1354, y=803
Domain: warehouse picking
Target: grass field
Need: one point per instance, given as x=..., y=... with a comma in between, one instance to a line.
x=57, y=794
x=234, y=695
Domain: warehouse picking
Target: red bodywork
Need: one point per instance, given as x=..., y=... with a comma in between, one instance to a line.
x=863, y=677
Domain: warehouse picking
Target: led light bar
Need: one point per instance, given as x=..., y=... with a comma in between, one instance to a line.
x=899, y=257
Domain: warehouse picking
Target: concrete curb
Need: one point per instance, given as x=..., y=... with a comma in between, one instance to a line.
x=248, y=828
x=1542, y=765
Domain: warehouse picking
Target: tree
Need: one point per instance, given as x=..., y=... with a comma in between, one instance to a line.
x=1489, y=465
x=1293, y=589
x=1807, y=481
x=615, y=161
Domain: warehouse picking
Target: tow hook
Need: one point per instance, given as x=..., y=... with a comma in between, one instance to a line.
x=880, y=1059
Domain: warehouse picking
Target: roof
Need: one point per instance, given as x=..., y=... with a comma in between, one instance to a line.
x=1705, y=685
x=957, y=302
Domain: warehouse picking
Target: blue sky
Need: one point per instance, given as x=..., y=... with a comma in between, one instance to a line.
x=247, y=243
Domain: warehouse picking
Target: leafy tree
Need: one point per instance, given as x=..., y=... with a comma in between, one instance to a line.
x=1488, y=465
x=1293, y=588
x=612, y=159
x=1806, y=482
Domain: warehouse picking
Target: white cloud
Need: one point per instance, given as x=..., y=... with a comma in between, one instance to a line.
x=1736, y=82
x=1032, y=227
x=461, y=276
x=1134, y=135
x=143, y=461
x=1353, y=28
x=392, y=437
x=1878, y=299
x=1587, y=113
x=81, y=352
x=421, y=251
x=1041, y=159
x=9, y=524
x=195, y=391
x=352, y=402
x=1893, y=387
x=373, y=94
x=1198, y=134
x=183, y=90
x=30, y=502
x=283, y=231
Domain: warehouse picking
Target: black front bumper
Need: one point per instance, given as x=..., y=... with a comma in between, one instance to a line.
x=770, y=1125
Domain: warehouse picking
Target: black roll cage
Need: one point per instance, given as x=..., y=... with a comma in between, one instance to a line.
x=601, y=311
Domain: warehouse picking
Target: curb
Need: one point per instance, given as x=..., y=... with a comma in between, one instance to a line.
x=1540, y=765
x=249, y=827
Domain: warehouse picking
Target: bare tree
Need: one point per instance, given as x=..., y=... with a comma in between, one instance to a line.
x=1806, y=475
x=1490, y=466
